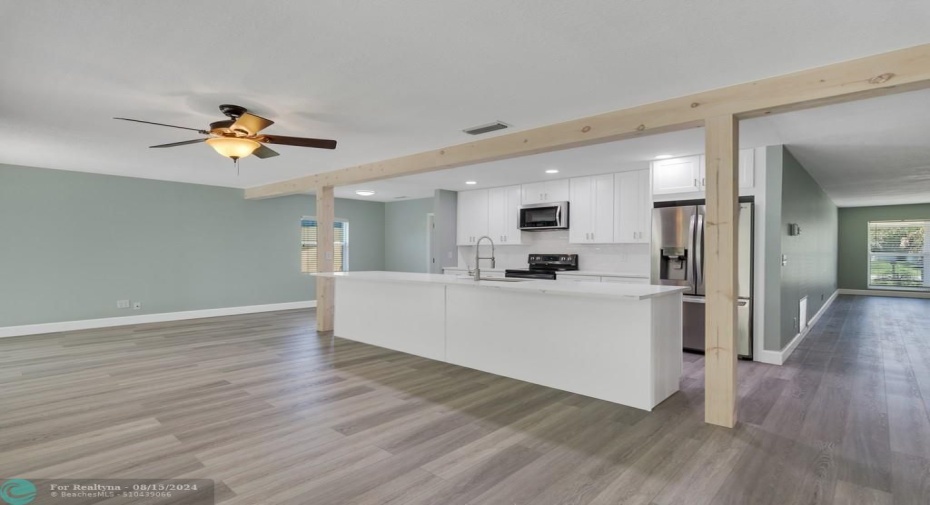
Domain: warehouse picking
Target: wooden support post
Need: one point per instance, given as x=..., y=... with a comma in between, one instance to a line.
x=325, y=287
x=720, y=269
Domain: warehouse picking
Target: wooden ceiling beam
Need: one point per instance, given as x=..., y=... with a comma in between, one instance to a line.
x=878, y=75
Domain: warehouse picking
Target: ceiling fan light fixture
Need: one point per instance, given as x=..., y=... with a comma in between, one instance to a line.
x=233, y=147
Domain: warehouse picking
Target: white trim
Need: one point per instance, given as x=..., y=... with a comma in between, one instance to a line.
x=86, y=324
x=779, y=357
x=885, y=292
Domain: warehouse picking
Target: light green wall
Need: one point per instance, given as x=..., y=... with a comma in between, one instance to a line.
x=405, y=238
x=774, y=159
x=74, y=243
x=812, y=255
x=854, y=238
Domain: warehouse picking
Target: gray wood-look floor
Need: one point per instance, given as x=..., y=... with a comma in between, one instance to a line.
x=277, y=414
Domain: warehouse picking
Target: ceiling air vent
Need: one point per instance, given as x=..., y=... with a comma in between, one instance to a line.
x=478, y=130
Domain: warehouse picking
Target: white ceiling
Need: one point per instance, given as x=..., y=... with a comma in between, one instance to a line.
x=389, y=78
x=871, y=152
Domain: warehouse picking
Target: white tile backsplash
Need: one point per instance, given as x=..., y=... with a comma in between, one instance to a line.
x=620, y=258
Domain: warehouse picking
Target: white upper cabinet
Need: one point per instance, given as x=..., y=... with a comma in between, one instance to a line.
x=547, y=191
x=591, y=210
x=633, y=220
x=676, y=175
x=689, y=174
x=504, y=215
x=472, y=216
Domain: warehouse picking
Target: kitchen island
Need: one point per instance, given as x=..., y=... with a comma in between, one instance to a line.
x=616, y=342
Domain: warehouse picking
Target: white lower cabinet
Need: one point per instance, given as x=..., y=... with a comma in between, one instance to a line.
x=577, y=278
x=626, y=280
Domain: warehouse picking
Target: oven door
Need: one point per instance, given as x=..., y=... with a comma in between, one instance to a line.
x=544, y=216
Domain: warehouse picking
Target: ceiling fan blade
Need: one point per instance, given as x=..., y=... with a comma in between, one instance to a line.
x=264, y=152
x=173, y=144
x=251, y=124
x=300, y=141
x=163, y=124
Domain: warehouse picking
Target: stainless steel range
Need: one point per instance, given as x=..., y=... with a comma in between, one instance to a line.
x=545, y=266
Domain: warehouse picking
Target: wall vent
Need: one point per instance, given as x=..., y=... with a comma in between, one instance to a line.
x=493, y=127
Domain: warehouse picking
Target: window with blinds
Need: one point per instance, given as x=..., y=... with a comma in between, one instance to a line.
x=898, y=252
x=308, y=246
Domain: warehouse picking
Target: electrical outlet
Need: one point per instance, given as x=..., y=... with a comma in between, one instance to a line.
x=122, y=304
x=137, y=306
x=784, y=260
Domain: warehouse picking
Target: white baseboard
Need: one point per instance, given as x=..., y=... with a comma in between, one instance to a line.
x=87, y=324
x=779, y=357
x=885, y=292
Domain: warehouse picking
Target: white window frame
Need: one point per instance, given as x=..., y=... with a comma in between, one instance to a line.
x=345, y=243
x=870, y=254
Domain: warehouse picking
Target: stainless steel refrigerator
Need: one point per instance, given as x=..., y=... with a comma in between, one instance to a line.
x=678, y=260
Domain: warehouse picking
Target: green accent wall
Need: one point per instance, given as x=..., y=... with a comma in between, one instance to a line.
x=853, y=269
x=774, y=159
x=75, y=243
x=406, y=241
x=812, y=255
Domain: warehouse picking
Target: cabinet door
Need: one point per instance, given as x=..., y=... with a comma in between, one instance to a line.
x=577, y=278
x=602, y=229
x=633, y=203
x=645, y=207
x=533, y=193
x=678, y=175
x=511, y=218
x=746, y=169
x=497, y=214
x=581, y=210
x=472, y=216
x=626, y=203
x=504, y=215
x=557, y=191
x=626, y=280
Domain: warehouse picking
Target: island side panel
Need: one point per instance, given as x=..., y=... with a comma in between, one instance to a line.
x=666, y=345
x=406, y=317
x=598, y=347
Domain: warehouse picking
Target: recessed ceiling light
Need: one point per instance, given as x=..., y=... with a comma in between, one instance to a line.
x=471, y=183
x=364, y=192
x=664, y=156
x=552, y=171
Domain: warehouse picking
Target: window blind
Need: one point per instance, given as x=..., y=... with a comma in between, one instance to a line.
x=308, y=246
x=898, y=253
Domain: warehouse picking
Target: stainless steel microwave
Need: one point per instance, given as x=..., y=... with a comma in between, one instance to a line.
x=544, y=216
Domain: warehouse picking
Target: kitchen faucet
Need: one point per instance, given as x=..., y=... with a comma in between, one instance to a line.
x=478, y=256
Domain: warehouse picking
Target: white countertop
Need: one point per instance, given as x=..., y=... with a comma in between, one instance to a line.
x=593, y=273
x=568, y=288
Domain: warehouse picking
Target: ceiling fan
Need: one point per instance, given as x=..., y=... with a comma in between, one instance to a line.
x=239, y=136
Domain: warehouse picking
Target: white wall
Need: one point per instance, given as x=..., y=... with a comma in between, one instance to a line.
x=619, y=258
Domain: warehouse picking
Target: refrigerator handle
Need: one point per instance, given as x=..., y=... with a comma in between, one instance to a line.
x=699, y=252
x=691, y=246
